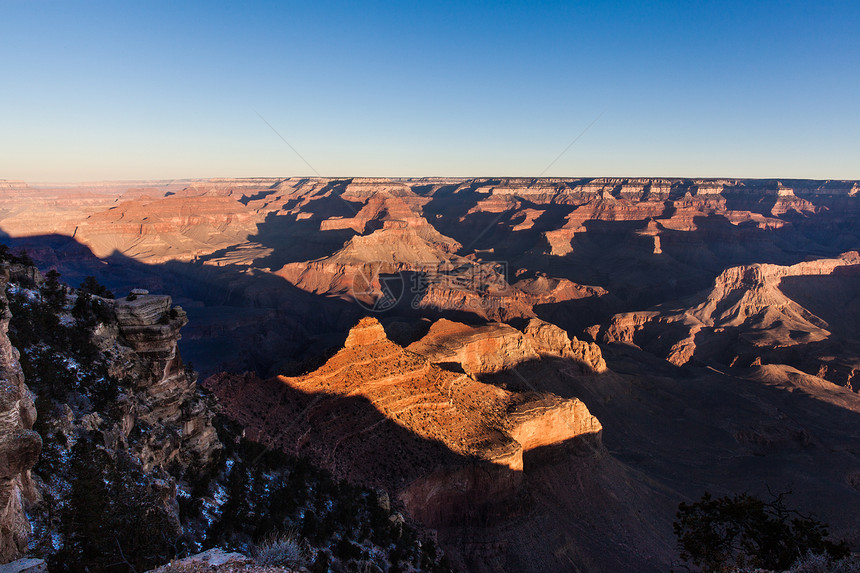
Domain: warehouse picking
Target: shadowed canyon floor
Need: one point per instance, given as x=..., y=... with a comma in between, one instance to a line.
x=550, y=366
x=469, y=459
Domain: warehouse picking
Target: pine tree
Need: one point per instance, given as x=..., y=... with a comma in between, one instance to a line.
x=53, y=291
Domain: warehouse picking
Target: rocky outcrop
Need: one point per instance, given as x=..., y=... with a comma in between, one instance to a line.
x=551, y=340
x=117, y=406
x=399, y=240
x=387, y=416
x=212, y=561
x=747, y=312
x=605, y=207
x=175, y=227
x=475, y=349
x=165, y=398
x=484, y=292
x=63, y=207
x=19, y=444
x=496, y=347
x=149, y=323
x=646, y=240
x=25, y=565
x=427, y=275
x=547, y=420
x=382, y=203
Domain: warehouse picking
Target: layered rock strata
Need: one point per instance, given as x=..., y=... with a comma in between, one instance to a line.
x=377, y=413
x=747, y=312
x=495, y=347
x=19, y=444
x=165, y=395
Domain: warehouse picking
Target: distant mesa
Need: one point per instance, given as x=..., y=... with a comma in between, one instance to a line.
x=757, y=304
x=571, y=251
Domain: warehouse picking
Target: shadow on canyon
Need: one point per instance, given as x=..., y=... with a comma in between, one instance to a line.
x=291, y=239
x=670, y=433
x=240, y=318
x=818, y=293
x=695, y=428
x=571, y=507
x=621, y=257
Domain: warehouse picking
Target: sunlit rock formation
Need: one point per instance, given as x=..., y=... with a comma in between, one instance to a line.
x=377, y=413
x=748, y=313
x=495, y=347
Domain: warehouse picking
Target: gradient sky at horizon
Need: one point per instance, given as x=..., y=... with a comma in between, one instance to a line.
x=154, y=90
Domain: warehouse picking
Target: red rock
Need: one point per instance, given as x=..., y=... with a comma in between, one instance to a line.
x=383, y=415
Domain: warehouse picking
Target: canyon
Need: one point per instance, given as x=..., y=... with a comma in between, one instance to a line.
x=536, y=370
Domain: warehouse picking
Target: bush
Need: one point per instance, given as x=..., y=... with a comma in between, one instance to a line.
x=744, y=531
x=7, y=256
x=286, y=549
x=113, y=515
x=818, y=563
x=54, y=291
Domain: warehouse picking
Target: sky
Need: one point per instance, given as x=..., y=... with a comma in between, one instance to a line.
x=159, y=90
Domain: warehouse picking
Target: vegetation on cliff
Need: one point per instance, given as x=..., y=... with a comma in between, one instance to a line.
x=119, y=491
x=721, y=534
x=258, y=494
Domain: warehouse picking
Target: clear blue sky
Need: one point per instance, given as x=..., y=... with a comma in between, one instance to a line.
x=127, y=90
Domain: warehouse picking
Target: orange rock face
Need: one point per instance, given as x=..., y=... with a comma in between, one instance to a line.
x=715, y=281
x=479, y=349
x=754, y=303
x=382, y=414
x=496, y=347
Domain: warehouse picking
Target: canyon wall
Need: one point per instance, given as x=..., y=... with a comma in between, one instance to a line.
x=164, y=397
x=19, y=444
x=446, y=444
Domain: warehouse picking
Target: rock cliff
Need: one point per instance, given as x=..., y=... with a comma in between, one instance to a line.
x=750, y=313
x=642, y=240
x=164, y=393
x=716, y=275
x=377, y=413
x=495, y=347
x=19, y=444
x=118, y=411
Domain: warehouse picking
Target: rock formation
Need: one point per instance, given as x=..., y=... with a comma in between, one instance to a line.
x=723, y=308
x=383, y=415
x=640, y=242
x=744, y=316
x=496, y=347
x=486, y=467
x=477, y=349
x=553, y=341
x=164, y=397
x=176, y=227
x=19, y=444
x=117, y=407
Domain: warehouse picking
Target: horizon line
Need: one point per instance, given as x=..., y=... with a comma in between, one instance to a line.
x=81, y=182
